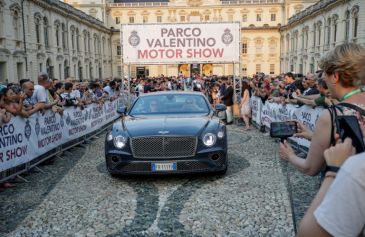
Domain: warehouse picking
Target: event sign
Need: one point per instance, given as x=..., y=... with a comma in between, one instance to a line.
x=23, y=139
x=180, y=43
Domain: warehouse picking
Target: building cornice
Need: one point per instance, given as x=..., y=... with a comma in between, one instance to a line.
x=311, y=11
x=70, y=12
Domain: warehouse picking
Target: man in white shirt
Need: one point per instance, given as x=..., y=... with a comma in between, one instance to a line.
x=41, y=94
x=110, y=89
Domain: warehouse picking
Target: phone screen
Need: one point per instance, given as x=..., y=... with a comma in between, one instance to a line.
x=283, y=129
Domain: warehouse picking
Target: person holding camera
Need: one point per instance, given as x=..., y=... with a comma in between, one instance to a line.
x=341, y=72
x=338, y=209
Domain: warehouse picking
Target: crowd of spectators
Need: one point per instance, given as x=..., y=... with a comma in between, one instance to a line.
x=27, y=98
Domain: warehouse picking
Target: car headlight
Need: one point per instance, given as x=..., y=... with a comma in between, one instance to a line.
x=120, y=141
x=109, y=137
x=209, y=139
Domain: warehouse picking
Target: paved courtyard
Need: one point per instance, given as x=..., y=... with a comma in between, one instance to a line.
x=77, y=197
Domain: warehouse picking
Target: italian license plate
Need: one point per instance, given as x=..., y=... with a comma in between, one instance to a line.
x=163, y=166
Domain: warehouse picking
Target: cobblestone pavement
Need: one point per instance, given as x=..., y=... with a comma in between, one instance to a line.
x=76, y=197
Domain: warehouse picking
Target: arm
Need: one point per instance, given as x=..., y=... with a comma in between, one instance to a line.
x=320, y=142
x=306, y=101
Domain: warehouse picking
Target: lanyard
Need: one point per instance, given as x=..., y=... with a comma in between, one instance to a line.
x=351, y=93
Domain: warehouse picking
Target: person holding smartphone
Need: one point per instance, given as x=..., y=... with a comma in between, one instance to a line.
x=341, y=67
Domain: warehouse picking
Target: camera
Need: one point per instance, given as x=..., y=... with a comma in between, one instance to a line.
x=283, y=130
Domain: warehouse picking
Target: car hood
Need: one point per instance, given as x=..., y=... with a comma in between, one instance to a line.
x=157, y=126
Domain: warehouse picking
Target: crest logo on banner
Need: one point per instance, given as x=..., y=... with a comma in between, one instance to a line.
x=227, y=37
x=134, y=39
x=27, y=130
x=37, y=127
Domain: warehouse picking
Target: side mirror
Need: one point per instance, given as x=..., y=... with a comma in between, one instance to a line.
x=122, y=110
x=220, y=107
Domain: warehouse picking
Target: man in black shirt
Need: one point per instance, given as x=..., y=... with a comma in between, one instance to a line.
x=227, y=99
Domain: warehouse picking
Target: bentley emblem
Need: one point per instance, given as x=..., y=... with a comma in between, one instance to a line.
x=163, y=132
x=134, y=39
x=227, y=37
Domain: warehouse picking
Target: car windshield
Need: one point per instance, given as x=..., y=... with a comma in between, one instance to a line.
x=170, y=104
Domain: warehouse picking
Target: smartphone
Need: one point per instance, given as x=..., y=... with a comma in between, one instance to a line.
x=283, y=129
x=348, y=126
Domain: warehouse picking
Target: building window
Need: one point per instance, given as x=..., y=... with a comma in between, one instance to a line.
x=72, y=38
x=38, y=30
x=88, y=42
x=159, y=18
x=16, y=24
x=319, y=33
x=57, y=32
x=244, y=48
x=131, y=19
x=182, y=18
x=258, y=68
x=258, y=17
x=329, y=24
x=85, y=41
x=117, y=20
x=230, y=17
x=273, y=17
x=314, y=35
x=355, y=21
x=347, y=25
x=119, y=50
x=64, y=36
x=335, y=21
x=119, y=71
x=206, y=18
x=244, y=69
x=272, y=68
x=45, y=32
x=145, y=19
x=259, y=45
x=77, y=40
x=244, y=18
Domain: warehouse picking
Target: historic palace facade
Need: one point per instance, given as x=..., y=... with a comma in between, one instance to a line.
x=81, y=38
x=260, y=22
x=319, y=28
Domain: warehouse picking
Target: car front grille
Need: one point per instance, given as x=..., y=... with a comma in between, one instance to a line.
x=163, y=147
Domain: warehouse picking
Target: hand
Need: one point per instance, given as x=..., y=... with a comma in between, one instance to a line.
x=22, y=96
x=303, y=131
x=286, y=150
x=336, y=155
x=295, y=95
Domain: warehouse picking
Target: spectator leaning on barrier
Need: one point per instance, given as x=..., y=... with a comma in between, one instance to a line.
x=41, y=94
x=29, y=104
x=5, y=116
x=341, y=67
x=338, y=209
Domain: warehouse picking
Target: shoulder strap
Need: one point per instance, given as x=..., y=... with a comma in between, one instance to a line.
x=333, y=113
x=354, y=107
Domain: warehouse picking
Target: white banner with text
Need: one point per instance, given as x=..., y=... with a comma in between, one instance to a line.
x=264, y=114
x=23, y=139
x=180, y=43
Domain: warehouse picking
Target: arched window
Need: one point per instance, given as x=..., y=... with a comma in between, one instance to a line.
x=335, y=23
x=16, y=24
x=49, y=68
x=85, y=41
x=45, y=32
x=37, y=20
x=57, y=33
x=319, y=28
x=329, y=30
x=314, y=35
x=64, y=36
x=73, y=37
x=259, y=44
x=77, y=40
x=355, y=21
x=66, y=69
x=347, y=25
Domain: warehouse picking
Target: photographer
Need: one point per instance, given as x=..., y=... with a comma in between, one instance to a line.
x=341, y=68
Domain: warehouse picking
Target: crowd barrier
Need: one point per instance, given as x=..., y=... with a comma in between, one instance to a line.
x=264, y=114
x=26, y=142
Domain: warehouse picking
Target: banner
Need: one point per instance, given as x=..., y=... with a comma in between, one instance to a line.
x=23, y=139
x=180, y=43
x=273, y=112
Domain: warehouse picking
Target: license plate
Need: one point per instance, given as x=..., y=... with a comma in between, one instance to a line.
x=163, y=166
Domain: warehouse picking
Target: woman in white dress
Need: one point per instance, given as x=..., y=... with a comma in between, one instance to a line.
x=245, y=104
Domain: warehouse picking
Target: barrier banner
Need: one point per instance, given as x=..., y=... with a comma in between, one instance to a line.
x=273, y=112
x=23, y=139
x=256, y=106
